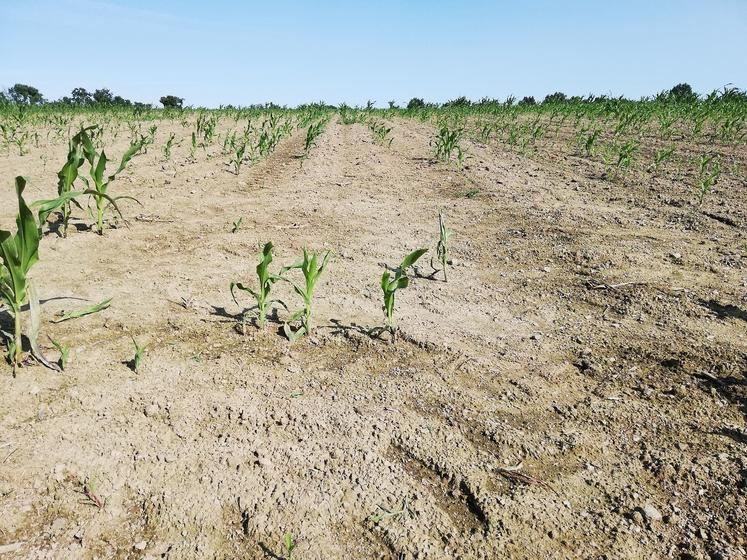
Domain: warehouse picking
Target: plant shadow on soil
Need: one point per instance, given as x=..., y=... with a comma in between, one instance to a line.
x=724, y=311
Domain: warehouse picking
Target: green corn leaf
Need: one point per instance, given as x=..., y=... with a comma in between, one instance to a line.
x=87, y=311
x=411, y=259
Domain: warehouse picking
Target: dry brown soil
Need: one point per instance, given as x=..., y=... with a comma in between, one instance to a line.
x=575, y=390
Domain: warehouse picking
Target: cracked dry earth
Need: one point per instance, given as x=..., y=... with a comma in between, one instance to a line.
x=595, y=341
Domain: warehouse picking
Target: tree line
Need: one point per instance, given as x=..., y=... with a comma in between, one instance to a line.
x=24, y=94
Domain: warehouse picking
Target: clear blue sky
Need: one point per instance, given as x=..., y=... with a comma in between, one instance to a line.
x=213, y=52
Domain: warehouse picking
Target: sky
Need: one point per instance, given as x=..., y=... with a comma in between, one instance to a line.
x=292, y=51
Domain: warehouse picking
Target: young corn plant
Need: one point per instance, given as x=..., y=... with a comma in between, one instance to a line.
x=381, y=133
x=167, y=147
x=313, y=132
x=19, y=253
x=237, y=224
x=389, y=287
x=69, y=173
x=237, y=156
x=262, y=294
x=625, y=155
x=660, y=157
x=290, y=546
x=137, y=359
x=708, y=176
x=312, y=267
x=591, y=141
x=100, y=183
x=446, y=144
x=442, y=248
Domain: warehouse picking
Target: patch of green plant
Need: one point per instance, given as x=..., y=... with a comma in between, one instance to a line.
x=137, y=359
x=389, y=286
x=64, y=351
x=83, y=312
x=446, y=144
x=290, y=546
x=266, y=281
x=237, y=224
x=442, y=247
x=312, y=266
x=20, y=252
x=708, y=175
x=101, y=184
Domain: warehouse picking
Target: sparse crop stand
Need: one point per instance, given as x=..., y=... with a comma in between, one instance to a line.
x=204, y=356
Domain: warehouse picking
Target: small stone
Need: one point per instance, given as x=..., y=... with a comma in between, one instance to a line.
x=140, y=545
x=151, y=410
x=651, y=513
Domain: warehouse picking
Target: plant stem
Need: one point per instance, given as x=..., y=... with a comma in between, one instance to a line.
x=17, y=334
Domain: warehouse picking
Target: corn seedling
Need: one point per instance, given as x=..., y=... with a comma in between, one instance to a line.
x=19, y=253
x=290, y=546
x=69, y=173
x=313, y=132
x=193, y=147
x=708, y=176
x=168, y=146
x=661, y=156
x=389, y=286
x=91, y=494
x=442, y=248
x=137, y=359
x=100, y=183
x=386, y=513
x=83, y=312
x=237, y=157
x=625, y=154
x=266, y=281
x=590, y=141
x=446, y=144
x=381, y=133
x=312, y=267
x=237, y=224
x=64, y=351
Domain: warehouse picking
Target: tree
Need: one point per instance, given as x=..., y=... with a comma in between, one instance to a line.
x=103, y=96
x=80, y=96
x=416, y=103
x=171, y=102
x=683, y=92
x=557, y=97
x=22, y=93
x=527, y=100
x=458, y=102
x=121, y=101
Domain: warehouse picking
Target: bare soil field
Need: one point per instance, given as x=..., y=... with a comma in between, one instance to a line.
x=575, y=390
